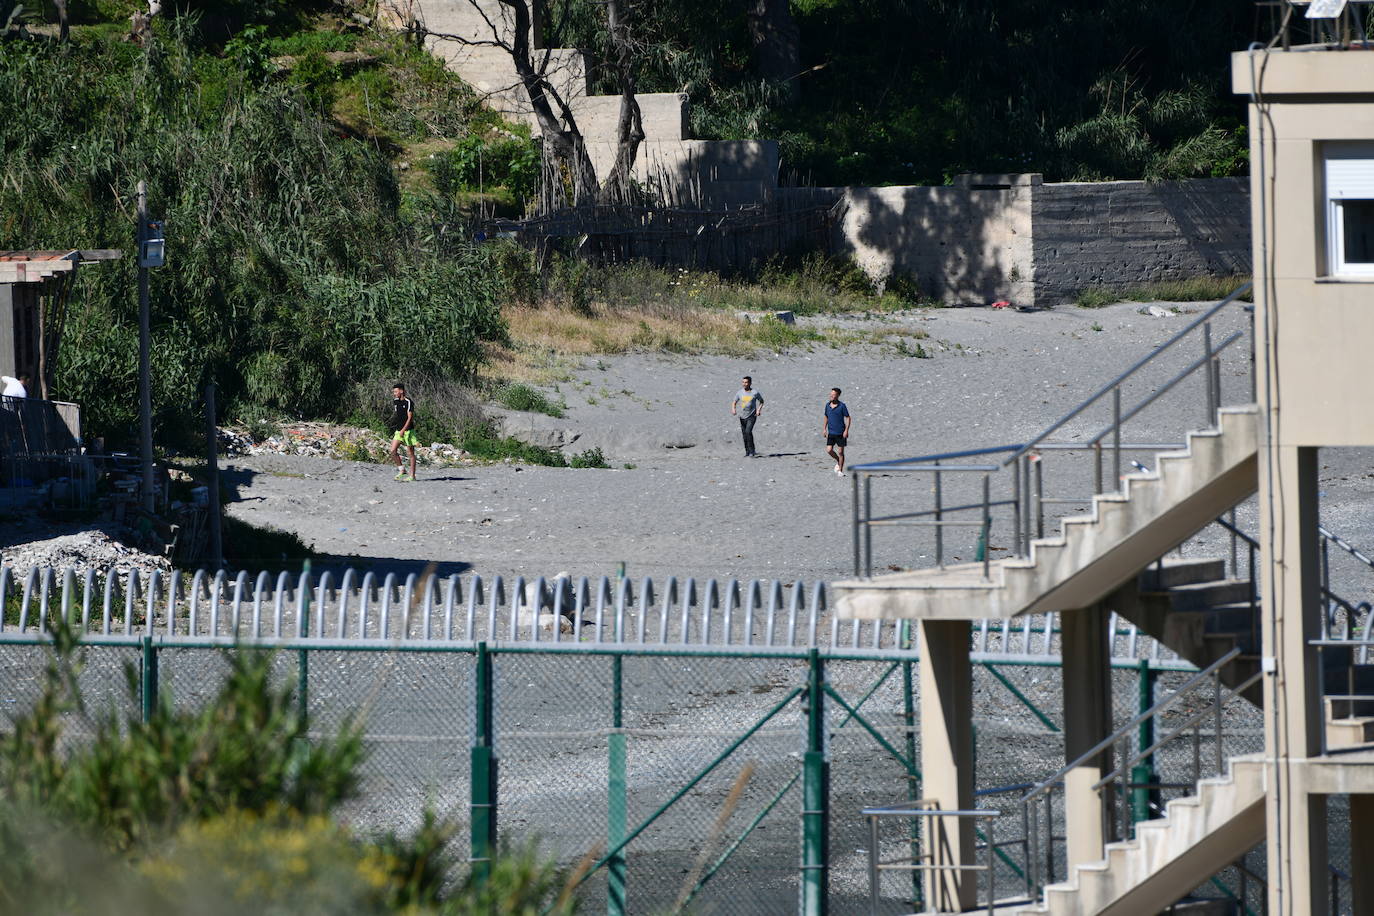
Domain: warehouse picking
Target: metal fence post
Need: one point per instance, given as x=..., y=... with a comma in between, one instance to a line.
x=1142, y=774
x=913, y=788
x=815, y=797
x=148, y=679
x=616, y=801
x=483, y=790
x=303, y=655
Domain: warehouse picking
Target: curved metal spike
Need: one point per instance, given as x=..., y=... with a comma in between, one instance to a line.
x=303, y=591
x=193, y=616
x=818, y=605
x=322, y=593
x=4, y=593
x=453, y=593
x=87, y=596
x=130, y=600
x=517, y=603
x=427, y=608
x=689, y=597
x=365, y=593
x=345, y=592
x=710, y=600
x=560, y=587
x=498, y=598
x=384, y=620
x=283, y=591
x=624, y=598
x=603, y=598
x=646, y=603
x=264, y=580
x=731, y=602
x=173, y=598
x=30, y=583
x=793, y=609
x=240, y=584
x=215, y=590
x=408, y=604
x=68, y=592
x=474, y=598
x=774, y=602
x=47, y=580
x=150, y=607
x=754, y=599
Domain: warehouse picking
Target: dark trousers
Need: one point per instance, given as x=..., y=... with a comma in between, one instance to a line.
x=746, y=427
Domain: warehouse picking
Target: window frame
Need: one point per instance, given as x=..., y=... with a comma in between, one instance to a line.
x=1337, y=268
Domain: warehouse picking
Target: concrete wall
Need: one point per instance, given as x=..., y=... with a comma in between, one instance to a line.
x=1011, y=237
x=1120, y=233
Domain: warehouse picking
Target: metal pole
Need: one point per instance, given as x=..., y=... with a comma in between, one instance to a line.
x=212, y=465
x=616, y=795
x=483, y=772
x=868, y=527
x=303, y=655
x=1016, y=506
x=815, y=797
x=857, y=556
x=1038, y=496
x=939, y=517
x=149, y=679
x=913, y=788
x=984, y=544
x=1207, y=370
x=145, y=388
x=1116, y=437
x=1143, y=772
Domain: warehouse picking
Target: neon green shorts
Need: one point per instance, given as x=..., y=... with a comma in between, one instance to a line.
x=405, y=437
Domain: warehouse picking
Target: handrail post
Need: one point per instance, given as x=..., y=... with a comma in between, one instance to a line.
x=1037, y=462
x=1116, y=437
x=1097, y=465
x=1143, y=772
x=987, y=524
x=939, y=517
x=1208, y=371
x=857, y=522
x=1016, y=508
x=868, y=524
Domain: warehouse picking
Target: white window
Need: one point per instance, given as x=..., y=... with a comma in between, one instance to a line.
x=1349, y=209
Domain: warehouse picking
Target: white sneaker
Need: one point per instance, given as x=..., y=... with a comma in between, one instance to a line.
x=838, y=472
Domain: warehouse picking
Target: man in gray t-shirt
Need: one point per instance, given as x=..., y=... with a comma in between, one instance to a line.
x=748, y=406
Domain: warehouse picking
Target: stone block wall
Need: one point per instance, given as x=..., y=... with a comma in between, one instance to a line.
x=1120, y=233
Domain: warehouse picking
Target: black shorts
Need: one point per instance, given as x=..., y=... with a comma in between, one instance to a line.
x=833, y=439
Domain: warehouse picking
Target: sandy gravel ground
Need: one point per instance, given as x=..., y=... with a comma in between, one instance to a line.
x=690, y=504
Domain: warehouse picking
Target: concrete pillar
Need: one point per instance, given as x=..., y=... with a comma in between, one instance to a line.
x=1087, y=720
x=1293, y=717
x=947, y=759
x=1361, y=838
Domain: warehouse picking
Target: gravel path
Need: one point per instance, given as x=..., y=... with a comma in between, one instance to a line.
x=692, y=505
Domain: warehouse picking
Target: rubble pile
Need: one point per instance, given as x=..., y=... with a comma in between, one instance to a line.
x=323, y=440
x=97, y=549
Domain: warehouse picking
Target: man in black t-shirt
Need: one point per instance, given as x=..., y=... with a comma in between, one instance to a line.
x=402, y=425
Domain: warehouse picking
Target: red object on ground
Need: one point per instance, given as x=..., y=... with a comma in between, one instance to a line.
x=1001, y=304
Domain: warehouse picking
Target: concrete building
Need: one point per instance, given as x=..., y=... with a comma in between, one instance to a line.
x=1312, y=195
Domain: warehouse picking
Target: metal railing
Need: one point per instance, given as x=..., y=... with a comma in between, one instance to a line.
x=1018, y=468
x=35, y=434
x=1130, y=780
x=932, y=862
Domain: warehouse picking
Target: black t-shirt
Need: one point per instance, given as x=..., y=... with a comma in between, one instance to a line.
x=400, y=408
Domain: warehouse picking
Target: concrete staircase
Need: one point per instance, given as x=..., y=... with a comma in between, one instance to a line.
x=1200, y=836
x=713, y=173
x=1094, y=554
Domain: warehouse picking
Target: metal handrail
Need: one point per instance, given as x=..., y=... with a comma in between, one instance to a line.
x=1139, y=364
x=927, y=862
x=1046, y=784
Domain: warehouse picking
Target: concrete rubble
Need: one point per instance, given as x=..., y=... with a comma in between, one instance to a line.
x=323, y=440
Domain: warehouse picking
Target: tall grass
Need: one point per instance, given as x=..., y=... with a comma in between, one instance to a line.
x=1189, y=289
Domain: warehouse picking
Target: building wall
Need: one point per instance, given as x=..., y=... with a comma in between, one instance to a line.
x=1120, y=233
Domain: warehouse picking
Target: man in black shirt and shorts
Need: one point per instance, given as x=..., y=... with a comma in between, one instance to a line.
x=836, y=425
x=402, y=425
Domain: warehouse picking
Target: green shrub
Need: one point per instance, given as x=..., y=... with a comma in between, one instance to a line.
x=481, y=441
x=135, y=779
x=591, y=458
x=522, y=397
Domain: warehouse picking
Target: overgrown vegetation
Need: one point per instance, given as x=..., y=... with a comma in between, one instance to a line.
x=916, y=92
x=222, y=807
x=297, y=267
x=1191, y=289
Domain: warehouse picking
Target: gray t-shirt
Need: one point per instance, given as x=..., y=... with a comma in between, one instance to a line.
x=748, y=402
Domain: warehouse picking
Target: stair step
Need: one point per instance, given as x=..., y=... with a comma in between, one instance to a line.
x=1200, y=596
x=1175, y=571
x=1342, y=707
x=1349, y=732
